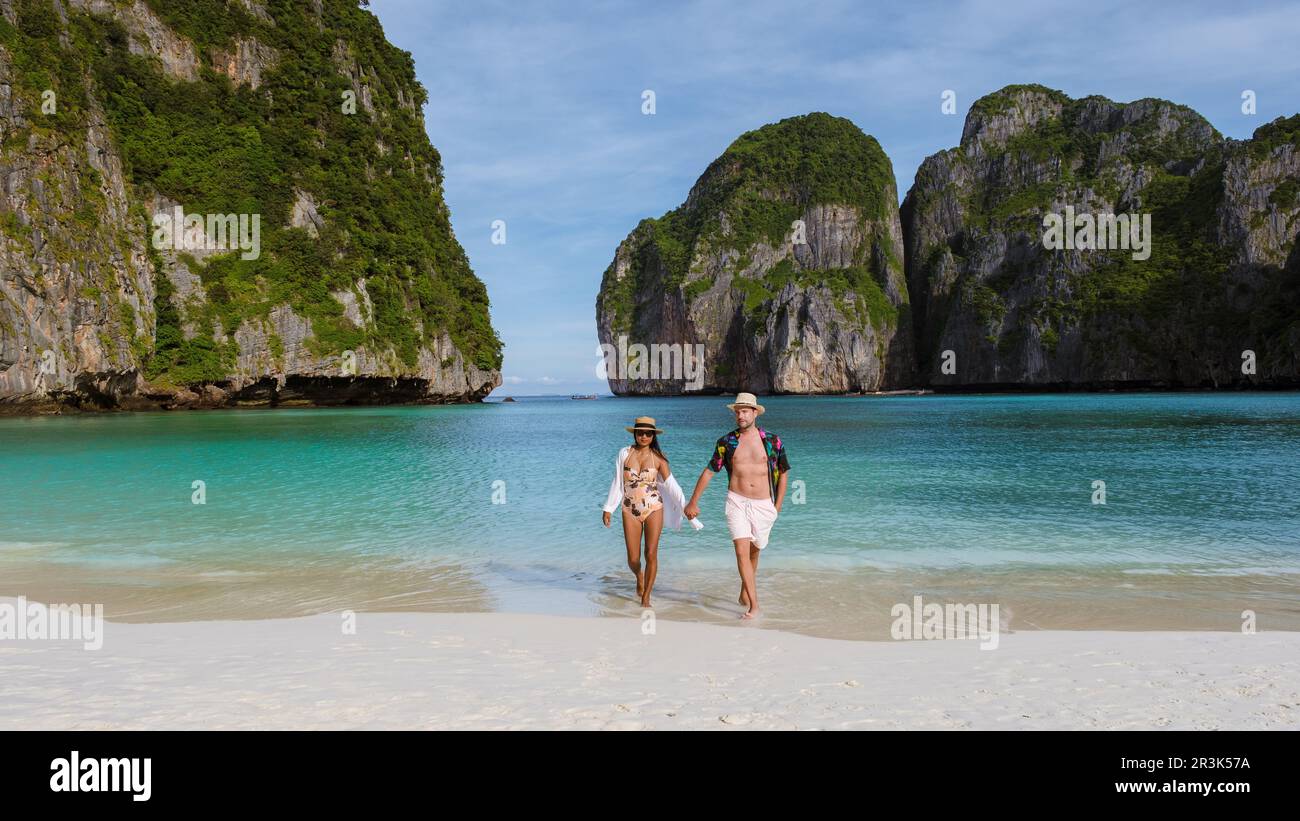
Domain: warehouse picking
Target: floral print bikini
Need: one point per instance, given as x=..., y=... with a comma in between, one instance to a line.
x=640, y=493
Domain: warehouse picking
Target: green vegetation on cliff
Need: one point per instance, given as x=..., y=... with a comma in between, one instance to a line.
x=752, y=193
x=218, y=147
x=57, y=195
x=767, y=178
x=1186, y=263
x=1086, y=155
x=975, y=222
x=1070, y=153
x=40, y=68
x=1269, y=136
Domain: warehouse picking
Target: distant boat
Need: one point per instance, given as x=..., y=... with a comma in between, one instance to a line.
x=588, y=396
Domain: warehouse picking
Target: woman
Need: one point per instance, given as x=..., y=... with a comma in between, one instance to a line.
x=646, y=490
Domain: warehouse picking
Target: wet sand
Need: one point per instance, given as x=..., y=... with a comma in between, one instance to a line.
x=856, y=604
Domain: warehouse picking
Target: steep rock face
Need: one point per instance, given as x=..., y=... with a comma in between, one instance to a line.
x=298, y=114
x=1205, y=294
x=76, y=289
x=1000, y=309
x=821, y=308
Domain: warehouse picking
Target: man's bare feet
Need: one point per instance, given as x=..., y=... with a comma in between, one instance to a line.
x=752, y=614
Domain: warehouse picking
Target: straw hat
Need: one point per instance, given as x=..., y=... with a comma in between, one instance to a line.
x=643, y=423
x=745, y=400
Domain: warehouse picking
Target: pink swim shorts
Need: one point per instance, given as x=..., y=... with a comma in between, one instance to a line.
x=750, y=518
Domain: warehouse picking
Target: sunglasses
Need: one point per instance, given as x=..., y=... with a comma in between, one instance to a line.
x=645, y=433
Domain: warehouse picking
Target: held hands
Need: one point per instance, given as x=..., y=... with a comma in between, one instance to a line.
x=691, y=511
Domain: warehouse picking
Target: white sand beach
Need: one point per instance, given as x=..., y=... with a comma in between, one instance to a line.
x=509, y=671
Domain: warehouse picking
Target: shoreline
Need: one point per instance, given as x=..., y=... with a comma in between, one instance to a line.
x=510, y=671
x=828, y=603
x=990, y=389
x=11, y=407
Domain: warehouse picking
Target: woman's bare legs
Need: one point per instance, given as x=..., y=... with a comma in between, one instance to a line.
x=654, y=525
x=632, y=538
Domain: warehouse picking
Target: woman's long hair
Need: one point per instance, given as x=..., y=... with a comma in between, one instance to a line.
x=654, y=446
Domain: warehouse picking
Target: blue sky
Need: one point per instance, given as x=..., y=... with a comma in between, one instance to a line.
x=536, y=109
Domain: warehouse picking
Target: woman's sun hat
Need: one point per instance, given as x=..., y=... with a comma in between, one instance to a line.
x=745, y=400
x=643, y=423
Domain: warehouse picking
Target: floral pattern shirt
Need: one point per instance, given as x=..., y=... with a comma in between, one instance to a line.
x=776, y=461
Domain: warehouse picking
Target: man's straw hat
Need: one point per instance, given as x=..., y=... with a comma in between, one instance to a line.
x=746, y=400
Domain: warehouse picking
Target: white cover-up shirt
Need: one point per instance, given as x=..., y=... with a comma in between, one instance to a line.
x=669, y=491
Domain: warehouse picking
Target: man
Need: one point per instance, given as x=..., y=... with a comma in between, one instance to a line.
x=755, y=461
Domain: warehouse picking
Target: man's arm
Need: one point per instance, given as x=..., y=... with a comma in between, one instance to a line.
x=692, y=508
x=780, y=489
x=716, y=463
x=783, y=466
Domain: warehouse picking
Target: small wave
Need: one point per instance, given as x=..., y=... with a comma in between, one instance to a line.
x=16, y=546
x=128, y=560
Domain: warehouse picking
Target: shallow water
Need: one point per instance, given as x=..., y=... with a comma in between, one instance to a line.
x=957, y=498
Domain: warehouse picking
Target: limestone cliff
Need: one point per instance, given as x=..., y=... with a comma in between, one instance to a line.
x=785, y=263
x=1198, y=285
x=1221, y=275
x=114, y=112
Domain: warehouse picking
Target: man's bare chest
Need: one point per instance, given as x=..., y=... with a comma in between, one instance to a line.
x=749, y=452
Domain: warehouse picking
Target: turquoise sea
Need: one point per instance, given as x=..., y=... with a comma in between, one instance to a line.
x=979, y=498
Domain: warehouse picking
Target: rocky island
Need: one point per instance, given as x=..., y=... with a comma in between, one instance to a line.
x=300, y=132
x=793, y=264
